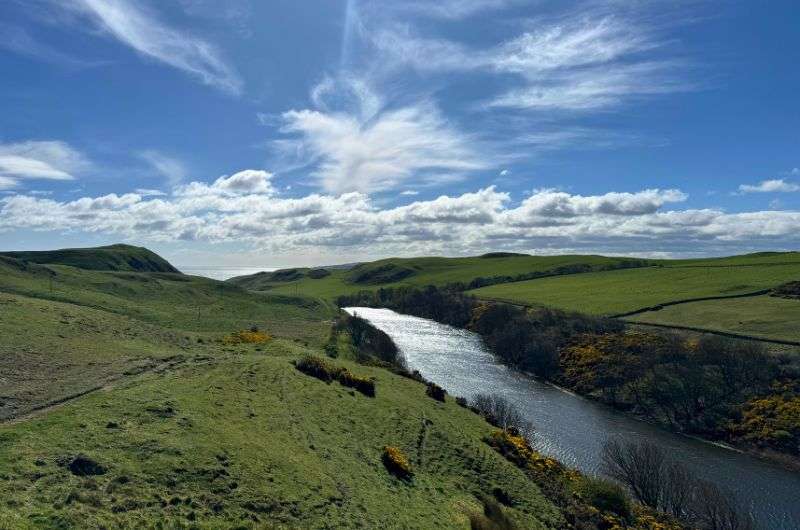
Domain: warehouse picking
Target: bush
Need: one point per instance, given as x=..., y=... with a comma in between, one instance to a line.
x=316, y=367
x=492, y=518
x=362, y=384
x=436, y=392
x=462, y=402
x=396, y=463
x=605, y=496
x=321, y=369
x=318, y=274
x=251, y=336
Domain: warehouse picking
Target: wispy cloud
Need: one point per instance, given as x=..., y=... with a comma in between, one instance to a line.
x=167, y=166
x=368, y=147
x=142, y=30
x=39, y=160
x=770, y=186
x=572, y=63
x=19, y=40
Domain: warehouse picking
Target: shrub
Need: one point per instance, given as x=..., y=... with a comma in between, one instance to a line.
x=462, y=402
x=397, y=463
x=316, y=367
x=251, y=336
x=317, y=274
x=322, y=370
x=436, y=392
x=362, y=384
x=605, y=496
x=492, y=518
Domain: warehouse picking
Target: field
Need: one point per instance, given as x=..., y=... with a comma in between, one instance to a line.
x=420, y=272
x=179, y=427
x=621, y=291
x=760, y=316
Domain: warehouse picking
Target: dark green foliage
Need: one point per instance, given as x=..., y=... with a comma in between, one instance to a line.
x=492, y=518
x=83, y=466
x=376, y=274
x=436, y=392
x=788, y=290
x=605, y=496
x=370, y=342
x=318, y=274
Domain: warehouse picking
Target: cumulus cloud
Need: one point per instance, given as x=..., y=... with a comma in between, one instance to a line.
x=137, y=27
x=242, y=208
x=246, y=182
x=770, y=186
x=45, y=160
x=367, y=147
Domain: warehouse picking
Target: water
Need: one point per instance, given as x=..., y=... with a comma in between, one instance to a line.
x=573, y=429
x=222, y=273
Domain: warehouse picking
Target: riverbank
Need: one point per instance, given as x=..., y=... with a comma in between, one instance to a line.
x=573, y=428
x=716, y=389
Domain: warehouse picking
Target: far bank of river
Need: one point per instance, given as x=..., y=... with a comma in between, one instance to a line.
x=573, y=429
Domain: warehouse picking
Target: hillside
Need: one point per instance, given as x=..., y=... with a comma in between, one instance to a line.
x=110, y=258
x=621, y=291
x=419, y=272
x=136, y=400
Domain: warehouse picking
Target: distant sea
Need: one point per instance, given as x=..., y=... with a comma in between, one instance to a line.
x=221, y=273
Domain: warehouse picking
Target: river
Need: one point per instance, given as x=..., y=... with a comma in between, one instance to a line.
x=573, y=429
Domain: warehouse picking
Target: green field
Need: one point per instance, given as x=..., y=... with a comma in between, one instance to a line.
x=760, y=316
x=614, y=292
x=419, y=272
x=129, y=370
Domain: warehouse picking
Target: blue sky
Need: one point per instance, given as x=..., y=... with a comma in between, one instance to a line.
x=291, y=133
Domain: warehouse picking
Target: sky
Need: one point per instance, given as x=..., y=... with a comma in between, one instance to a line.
x=306, y=132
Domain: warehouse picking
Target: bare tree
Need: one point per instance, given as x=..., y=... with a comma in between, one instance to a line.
x=715, y=509
x=656, y=480
x=502, y=413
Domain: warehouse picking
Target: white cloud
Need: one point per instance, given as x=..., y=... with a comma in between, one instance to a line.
x=770, y=186
x=169, y=167
x=577, y=63
x=471, y=223
x=409, y=193
x=246, y=182
x=136, y=27
x=367, y=147
x=45, y=160
x=447, y=9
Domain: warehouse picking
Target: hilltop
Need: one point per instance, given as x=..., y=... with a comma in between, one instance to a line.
x=110, y=258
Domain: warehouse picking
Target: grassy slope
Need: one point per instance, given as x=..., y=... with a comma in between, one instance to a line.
x=761, y=316
x=114, y=257
x=427, y=271
x=225, y=436
x=620, y=291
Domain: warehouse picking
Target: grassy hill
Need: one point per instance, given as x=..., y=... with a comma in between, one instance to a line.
x=111, y=258
x=423, y=271
x=125, y=403
x=620, y=291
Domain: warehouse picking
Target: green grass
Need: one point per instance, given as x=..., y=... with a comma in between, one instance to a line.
x=423, y=271
x=761, y=316
x=614, y=292
x=198, y=434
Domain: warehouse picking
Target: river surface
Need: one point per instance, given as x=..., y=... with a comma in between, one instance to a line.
x=573, y=429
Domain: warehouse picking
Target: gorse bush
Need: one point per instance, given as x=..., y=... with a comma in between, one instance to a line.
x=605, y=496
x=324, y=371
x=251, y=336
x=397, y=463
